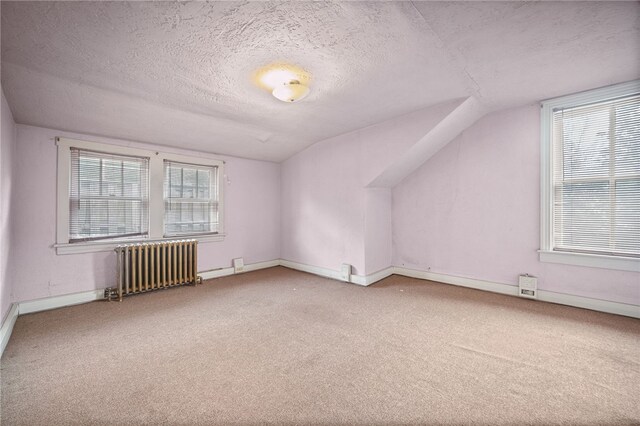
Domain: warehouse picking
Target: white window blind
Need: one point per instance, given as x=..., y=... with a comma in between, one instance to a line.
x=108, y=197
x=190, y=199
x=596, y=177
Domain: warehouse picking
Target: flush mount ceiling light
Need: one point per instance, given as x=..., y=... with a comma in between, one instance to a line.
x=287, y=83
x=292, y=91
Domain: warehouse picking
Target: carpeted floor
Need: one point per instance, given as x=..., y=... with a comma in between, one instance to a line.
x=280, y=346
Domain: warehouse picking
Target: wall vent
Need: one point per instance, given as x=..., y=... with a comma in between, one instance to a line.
x=528, y=286
x=238, y=265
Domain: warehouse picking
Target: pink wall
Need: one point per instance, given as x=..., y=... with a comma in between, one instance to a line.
x=377, y=227
x=252, y=215
x=329, y=217
x=473, y=210
x=323, y=206
x=7, y=148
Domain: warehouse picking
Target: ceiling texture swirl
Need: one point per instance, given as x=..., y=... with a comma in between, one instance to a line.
x=180, y=74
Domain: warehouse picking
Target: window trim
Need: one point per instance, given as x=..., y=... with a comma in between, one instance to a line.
x=216, y=185
x=546, y=252
x=156, y=197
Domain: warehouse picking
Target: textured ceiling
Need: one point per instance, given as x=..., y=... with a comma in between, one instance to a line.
x=179, y=74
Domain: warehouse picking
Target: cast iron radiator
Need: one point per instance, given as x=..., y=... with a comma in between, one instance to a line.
x=153, y=266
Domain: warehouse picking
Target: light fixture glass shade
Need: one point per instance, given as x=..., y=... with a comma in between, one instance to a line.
x=291, y=92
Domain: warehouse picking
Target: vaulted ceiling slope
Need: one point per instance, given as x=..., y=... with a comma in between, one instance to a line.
x=180, y=74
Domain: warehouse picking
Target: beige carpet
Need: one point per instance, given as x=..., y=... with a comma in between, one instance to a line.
x=280, y=346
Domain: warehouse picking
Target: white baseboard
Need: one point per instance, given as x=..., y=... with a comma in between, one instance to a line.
x=7, y=326
x=261, y=265
x=459, y=281
x=512, y=290
x=60, y=301
x=363, y=280
x=367, y=280
x=216, y=273
x=315, y=270
x=617, y=308
x=223, y=272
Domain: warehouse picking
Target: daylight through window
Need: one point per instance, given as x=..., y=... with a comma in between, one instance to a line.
x=190, y=199
x=109, y=196
x=596, y=177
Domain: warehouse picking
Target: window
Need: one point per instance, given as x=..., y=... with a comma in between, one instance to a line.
x=591, y=178
x=110, y=194
x=190, y=199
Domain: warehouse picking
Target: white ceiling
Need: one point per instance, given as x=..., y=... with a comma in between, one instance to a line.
x=179, y=74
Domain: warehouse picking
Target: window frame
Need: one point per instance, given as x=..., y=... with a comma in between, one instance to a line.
x=546, y=251
x=156, y=195
x=214, y=182
x=102, y=156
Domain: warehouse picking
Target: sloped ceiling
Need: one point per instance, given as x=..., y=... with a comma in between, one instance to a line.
x=180, y=74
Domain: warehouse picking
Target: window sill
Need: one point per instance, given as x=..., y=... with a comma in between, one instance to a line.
x=591, y=260
x=98, y=246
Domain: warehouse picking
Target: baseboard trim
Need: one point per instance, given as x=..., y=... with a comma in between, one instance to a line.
x=363, y=280
x=261, y=265
x=7, y=326
x=216, y=273
x=315, y=270
x=55, y=302
x=493, y=287
x=223, y=272
x=609, y=307
x=367, y=280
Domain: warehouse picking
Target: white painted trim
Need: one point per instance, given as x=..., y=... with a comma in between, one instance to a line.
x=493, y=287
x=600, y=94
x=261, y=265
x=588, y=303
x=216, y=273
x=512, y=290
x=7, y=326
x=546, y=177
x=315, y=270
x=363, y=280
x=223, y=272
x=156, y=193
x=61, y=301
x=110, y=245
x=591, y=260
x=367, y=280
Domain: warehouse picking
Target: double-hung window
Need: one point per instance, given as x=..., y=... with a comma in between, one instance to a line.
x=109, y=194
x=190, y=199
x=591, y=178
